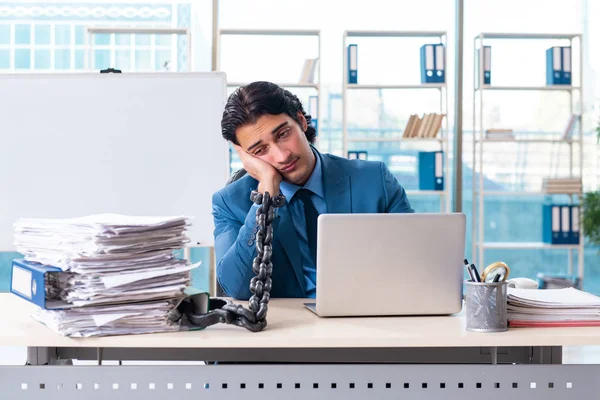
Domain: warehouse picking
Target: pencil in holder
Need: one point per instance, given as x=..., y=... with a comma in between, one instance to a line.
x=486, y=306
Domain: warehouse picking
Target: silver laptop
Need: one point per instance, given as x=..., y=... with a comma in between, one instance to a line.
x=389, y=264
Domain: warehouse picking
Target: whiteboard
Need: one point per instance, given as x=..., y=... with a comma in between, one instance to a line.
x=137, y=144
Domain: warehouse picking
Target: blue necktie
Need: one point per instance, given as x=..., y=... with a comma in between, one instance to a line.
x=311, y=215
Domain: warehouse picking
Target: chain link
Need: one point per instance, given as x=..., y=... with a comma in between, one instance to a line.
x=253, y=318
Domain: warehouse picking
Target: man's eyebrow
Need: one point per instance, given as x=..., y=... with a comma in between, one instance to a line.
x=254, y=145
x=274, y=131
x=279, y=127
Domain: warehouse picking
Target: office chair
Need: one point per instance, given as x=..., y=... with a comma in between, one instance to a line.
x=234, y=177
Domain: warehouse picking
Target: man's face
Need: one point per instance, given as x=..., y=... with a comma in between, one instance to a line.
x=281, y=142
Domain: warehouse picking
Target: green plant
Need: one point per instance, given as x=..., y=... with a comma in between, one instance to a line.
x=591, y=217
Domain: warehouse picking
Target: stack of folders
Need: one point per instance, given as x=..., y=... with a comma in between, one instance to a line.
x=499, y=134
x=562, y=185
x=308, y=71
x=107, y=274
x=552, y=307
x=426, y=127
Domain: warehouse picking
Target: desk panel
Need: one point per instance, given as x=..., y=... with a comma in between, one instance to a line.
x=324, y=382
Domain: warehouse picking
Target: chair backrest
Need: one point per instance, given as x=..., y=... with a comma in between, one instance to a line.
x=234, y=177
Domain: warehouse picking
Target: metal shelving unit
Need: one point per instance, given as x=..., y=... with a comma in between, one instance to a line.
x=441, y=88
x=278, y=32
x=274, y=32
x=479, y=142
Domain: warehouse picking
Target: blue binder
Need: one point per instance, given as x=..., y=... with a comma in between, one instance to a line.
x=554, y=73
x=487, y=65
x=431, y=170
x=357, y=155
x=353, y=63
x=28, y=281
x=440, y=63
x=551, y=224
x=428, y=64
x=566, y=65
x=574, y=238
x=565, y=224
x=313, y=111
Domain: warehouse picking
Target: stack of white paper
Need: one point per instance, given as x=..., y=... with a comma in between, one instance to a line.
x=124, y=319
x=552, y=307
x=119, y=272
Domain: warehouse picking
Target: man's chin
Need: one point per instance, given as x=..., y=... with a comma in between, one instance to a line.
x=292, y=177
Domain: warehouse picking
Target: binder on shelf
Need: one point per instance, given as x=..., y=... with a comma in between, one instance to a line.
x=428, y=63
x=487, y=65
x=357, y=155
x=431, y=175
x=574, y=237
x=554, y=74
x=28, y=281
x=313, y=111
x=565, y=224
x=440, y=63
x=551, y=224
x=353, y=63
x=307, y=75
x=566, y=65
x=568, y=132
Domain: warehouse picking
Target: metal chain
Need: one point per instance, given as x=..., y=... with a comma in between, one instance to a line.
x=253, y=318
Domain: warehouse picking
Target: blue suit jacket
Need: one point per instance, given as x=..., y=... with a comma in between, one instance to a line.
x=351, y=186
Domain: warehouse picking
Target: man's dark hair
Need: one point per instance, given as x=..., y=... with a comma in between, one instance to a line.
x=248, y=103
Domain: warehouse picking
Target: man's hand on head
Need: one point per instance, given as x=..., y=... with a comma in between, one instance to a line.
x=267, y=176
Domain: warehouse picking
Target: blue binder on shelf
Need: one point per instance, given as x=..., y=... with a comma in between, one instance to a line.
x=566, y=65
x=565, y=224
x=551, y=224
x=431, y=170
x=574, y=237
x=487, y=65
x=353, y=63
x=357, y=155
x=440, y=63
x=428, y=63
x=28, y=281
x=554, y=74
x=313, y=111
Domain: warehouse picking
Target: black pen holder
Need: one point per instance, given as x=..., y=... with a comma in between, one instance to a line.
x=486, y=306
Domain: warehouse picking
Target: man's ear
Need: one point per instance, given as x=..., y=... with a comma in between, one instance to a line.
x=303, y=123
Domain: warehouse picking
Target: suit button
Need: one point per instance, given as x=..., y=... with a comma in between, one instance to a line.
x=250, y=242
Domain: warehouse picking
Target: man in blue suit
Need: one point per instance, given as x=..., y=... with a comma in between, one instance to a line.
x=272, y=134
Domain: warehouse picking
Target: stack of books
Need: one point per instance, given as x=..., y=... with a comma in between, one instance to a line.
x=552, y=307
x=426, y=127
x=103, y=274
x=499, y=134
x=561, y=185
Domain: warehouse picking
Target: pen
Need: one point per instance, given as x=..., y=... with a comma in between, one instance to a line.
x=469, y=270
x=496, y=278
x=475, y=273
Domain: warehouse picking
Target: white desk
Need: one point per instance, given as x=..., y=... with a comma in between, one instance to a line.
x=294, y=334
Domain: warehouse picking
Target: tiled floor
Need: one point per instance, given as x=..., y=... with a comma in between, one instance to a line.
x=18, y=355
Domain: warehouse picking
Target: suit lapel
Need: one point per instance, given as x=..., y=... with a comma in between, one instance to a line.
x=336, y=184
x=287, y=236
